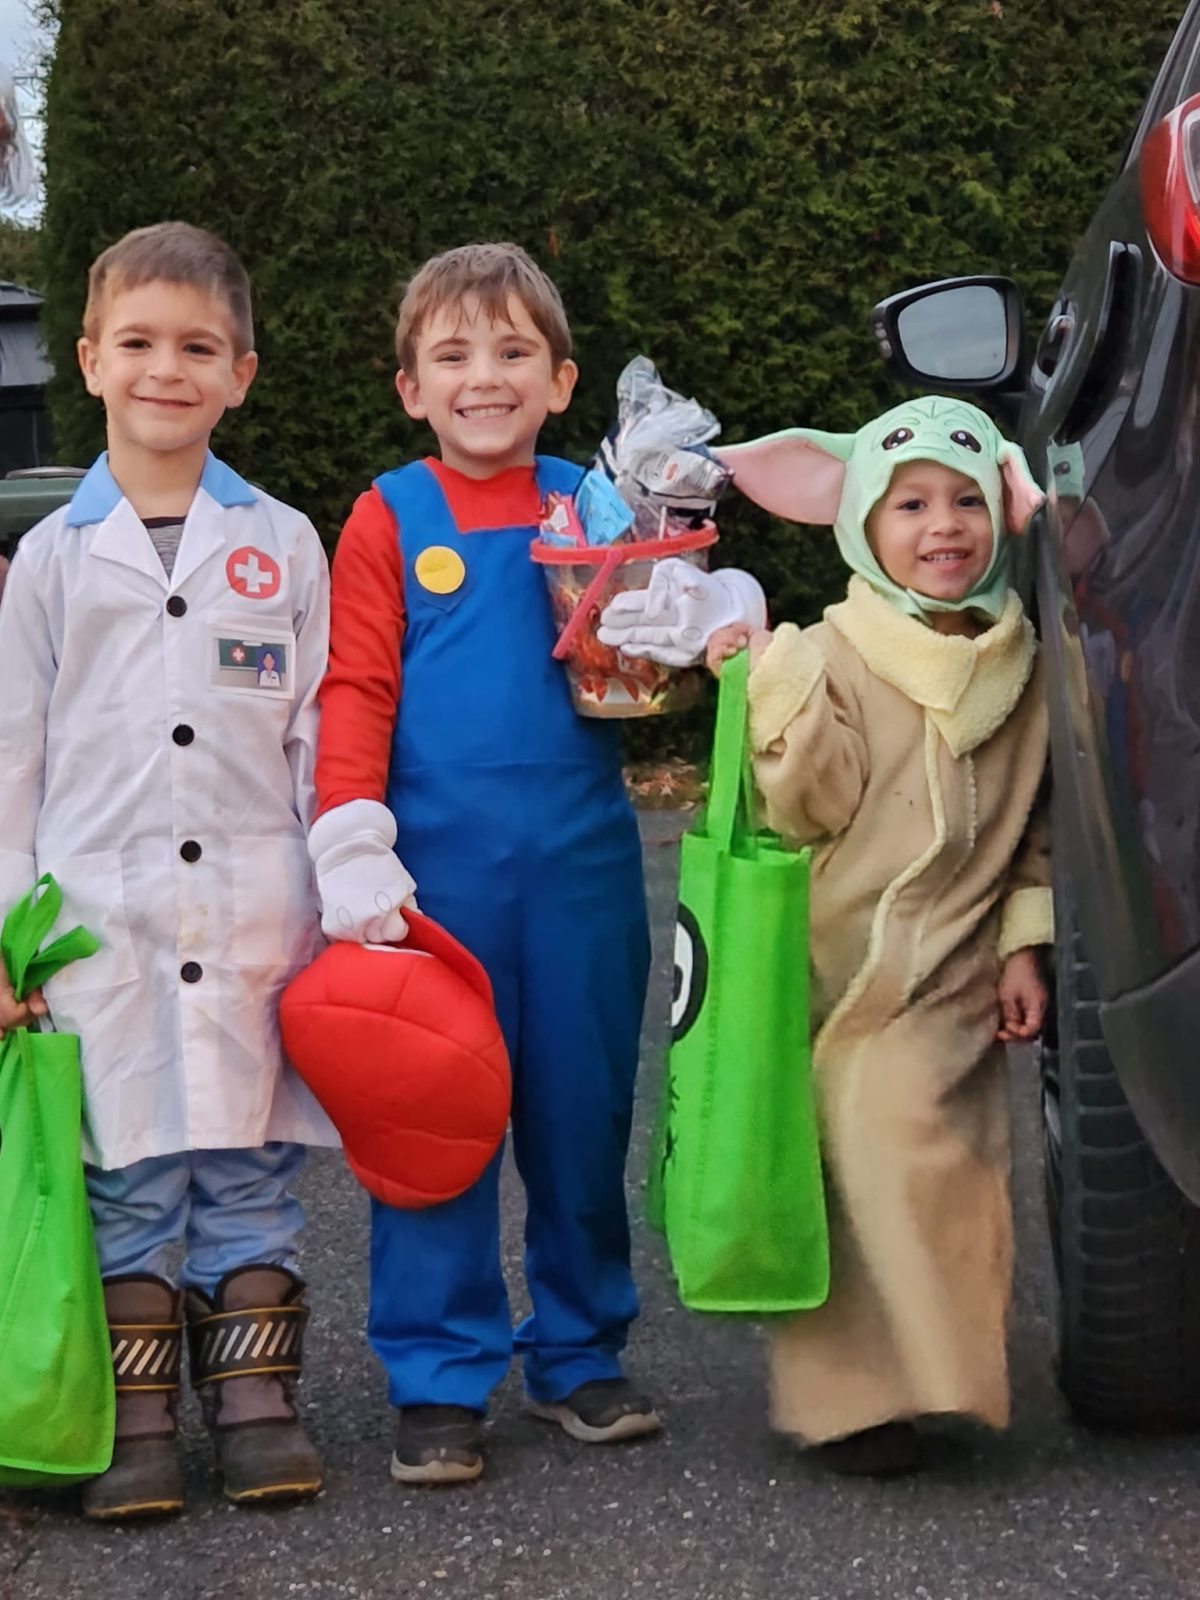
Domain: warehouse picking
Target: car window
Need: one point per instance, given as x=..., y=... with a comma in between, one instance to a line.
x=1178, y=77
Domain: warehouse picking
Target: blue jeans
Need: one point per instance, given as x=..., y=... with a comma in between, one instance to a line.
x=231, y=1207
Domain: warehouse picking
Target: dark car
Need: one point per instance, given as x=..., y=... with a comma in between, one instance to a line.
x=1107, y=409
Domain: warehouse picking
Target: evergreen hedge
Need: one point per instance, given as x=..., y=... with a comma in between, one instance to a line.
x=726, y=185
x=20, y=255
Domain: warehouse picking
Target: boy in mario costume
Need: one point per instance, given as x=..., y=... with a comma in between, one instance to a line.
x=451, y=765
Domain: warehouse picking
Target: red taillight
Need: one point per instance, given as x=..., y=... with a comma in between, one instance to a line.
x=1170, y=178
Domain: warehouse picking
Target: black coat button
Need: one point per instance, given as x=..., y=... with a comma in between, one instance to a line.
x=177, y=606
x=191, y=972
x=183, y=734
x=190, y=850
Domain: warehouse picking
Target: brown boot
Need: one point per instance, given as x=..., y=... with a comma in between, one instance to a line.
x=245, y=1349
x=146, y=1325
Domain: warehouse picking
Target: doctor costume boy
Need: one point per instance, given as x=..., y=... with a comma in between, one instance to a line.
x=144, y=762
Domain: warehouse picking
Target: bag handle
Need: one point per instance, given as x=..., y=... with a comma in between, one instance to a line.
x=731, y=777
x=26, y=925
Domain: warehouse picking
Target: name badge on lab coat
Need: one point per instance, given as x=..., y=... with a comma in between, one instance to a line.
x=246, y=659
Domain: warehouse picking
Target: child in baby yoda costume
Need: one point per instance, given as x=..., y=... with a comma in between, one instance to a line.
x=905, y=738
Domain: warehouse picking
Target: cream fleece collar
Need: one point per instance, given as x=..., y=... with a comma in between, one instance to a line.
x=968, y=686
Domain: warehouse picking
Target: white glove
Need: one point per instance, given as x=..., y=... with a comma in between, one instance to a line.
x=672, y=621
x=360, y=879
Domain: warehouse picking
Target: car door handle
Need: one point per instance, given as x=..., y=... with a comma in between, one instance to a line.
x=1107, y=353
x=1053, y=342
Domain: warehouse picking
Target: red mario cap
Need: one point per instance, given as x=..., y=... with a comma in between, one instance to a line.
x=402, y=1048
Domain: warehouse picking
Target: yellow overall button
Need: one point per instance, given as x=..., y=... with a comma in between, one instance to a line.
x=440, y=569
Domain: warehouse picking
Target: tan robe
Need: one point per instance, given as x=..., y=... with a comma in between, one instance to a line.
x=912, y=760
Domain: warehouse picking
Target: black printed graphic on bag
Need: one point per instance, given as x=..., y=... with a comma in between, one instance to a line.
x=691, y=974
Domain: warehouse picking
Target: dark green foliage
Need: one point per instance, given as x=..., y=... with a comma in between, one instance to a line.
x=727, y=187
x=20, y=260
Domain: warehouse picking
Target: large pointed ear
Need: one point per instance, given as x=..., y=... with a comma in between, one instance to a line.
x=797, y=474
x=1022, y=497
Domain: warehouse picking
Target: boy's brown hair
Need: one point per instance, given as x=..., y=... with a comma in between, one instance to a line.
x=172, y=252
x=493, y=272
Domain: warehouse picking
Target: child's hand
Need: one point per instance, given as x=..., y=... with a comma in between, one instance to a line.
x=1023, y=998
x=728, y=641
x=16, y=1013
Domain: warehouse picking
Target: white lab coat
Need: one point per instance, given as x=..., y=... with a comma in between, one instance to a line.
x=100, y=679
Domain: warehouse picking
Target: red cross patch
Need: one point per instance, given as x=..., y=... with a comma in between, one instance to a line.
x=253, y=573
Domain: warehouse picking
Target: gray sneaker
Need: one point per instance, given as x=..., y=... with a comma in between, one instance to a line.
x=438, y=1444
x=605, y=1411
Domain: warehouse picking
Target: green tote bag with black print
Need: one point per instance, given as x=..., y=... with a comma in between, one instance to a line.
x=735, y=1179
x=56, y=1380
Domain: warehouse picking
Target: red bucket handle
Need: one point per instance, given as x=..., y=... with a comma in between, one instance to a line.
x=564, y=555
x=587, y=600
x=615, y=555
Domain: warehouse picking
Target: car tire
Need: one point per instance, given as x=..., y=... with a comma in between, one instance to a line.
x=1126, y=1242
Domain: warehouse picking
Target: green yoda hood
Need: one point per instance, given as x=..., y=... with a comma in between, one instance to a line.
x=810, y=476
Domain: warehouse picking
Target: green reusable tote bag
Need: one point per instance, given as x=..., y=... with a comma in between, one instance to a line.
x=56, y=1384
x=736, y=1178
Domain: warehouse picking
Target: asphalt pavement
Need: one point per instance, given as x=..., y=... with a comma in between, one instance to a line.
x=716, y=1509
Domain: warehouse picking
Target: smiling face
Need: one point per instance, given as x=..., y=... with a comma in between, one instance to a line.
x=484, y=385
x=932, y=532
x=164, y=361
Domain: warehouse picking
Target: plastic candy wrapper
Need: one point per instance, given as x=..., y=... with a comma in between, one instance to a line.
x=605, y=516
x=595, y=514
x=560, y=525
x=655, y=455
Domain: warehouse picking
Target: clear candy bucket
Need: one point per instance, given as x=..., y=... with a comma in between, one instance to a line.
x=582, y=580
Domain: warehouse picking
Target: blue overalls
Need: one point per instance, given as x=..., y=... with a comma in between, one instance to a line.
x=512, y=818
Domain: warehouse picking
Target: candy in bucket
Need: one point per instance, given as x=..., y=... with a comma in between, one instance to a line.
x=582, y=580
x=649, y=495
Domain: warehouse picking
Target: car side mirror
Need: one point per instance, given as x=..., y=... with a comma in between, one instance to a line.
x=961, y=334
